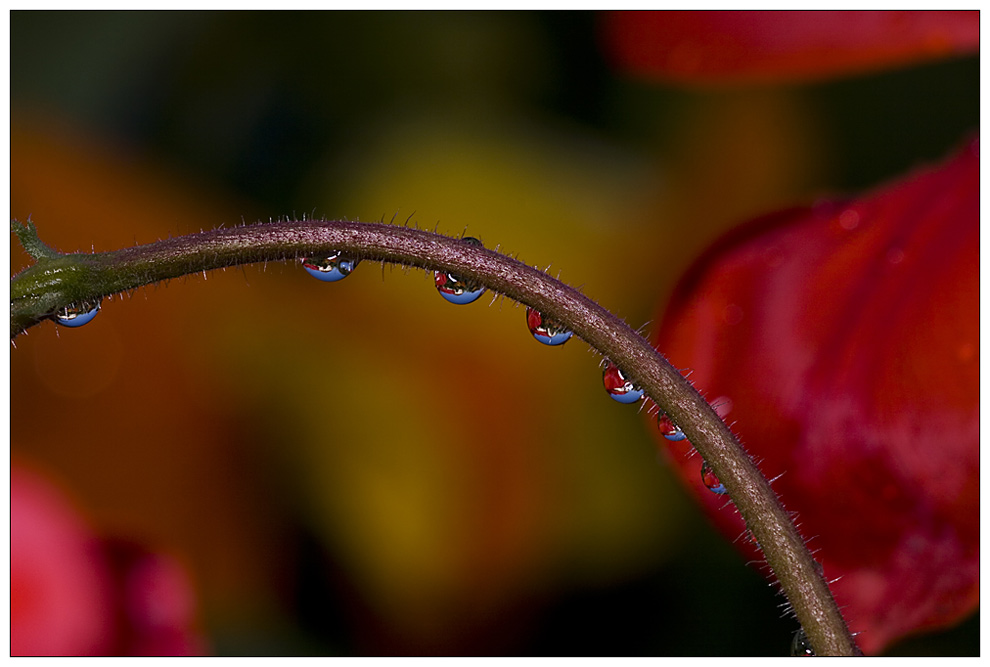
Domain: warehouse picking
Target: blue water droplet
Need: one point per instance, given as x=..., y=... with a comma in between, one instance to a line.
x=669, y=429
x=546, y=330
x=709, y=479
x=76, y=315
x=618, y=387
x=330, y=269
x=458, y=290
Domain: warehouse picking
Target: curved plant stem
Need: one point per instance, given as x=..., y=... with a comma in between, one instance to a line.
x=59, y=280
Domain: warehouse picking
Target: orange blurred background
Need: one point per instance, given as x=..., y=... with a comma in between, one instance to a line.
x=362, y=468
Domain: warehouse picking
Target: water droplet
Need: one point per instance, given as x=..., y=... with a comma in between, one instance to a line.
x=330, y=269
x=800, y=646
x=618, y=387
x=669, y=429
x=710, y=480
x=77, y=314
x=849, y=219
x=545, y=329
x=458, y=290
x=722, y=406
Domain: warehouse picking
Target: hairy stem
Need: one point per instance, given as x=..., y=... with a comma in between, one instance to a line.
x=60, y=280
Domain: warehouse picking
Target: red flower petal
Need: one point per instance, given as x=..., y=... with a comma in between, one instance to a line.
x=767, y=46
x=157, y=603
x=57, y=579
x=75, y=594
x=845, y=338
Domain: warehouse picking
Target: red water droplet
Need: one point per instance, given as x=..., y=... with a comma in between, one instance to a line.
x=710, y=480
x=669, y=429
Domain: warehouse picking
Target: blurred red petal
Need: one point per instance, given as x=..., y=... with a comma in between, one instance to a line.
x=844, y=340
x=707, y=47
x=157, y=603
x=72, y=593
x=59, y=584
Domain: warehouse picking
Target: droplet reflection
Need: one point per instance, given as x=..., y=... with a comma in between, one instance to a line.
x=330, y=269
x=76, y=315
x=458, y=290
x=618, y=387
x=546, y=330
x=800, y=646
x=669, y=429
x=709, y=479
